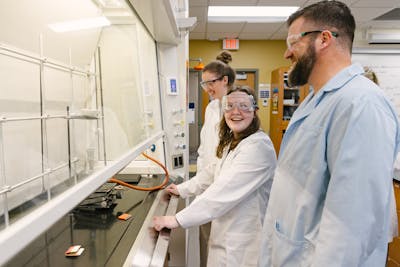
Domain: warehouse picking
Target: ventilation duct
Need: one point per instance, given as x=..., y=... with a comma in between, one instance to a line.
x=383, y=38
x=389, y=33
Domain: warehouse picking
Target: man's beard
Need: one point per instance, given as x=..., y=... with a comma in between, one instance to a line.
x=300, y=73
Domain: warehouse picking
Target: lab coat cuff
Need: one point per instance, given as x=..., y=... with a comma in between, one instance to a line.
x=182, y=189
x=179, y=218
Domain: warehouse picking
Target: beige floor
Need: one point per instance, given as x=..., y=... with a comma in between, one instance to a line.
x=192, y=168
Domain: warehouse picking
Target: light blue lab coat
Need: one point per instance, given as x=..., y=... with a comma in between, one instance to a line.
x=332, y=191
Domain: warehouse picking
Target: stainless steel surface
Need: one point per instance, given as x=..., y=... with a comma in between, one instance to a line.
x=150, y=247
x=160, y=251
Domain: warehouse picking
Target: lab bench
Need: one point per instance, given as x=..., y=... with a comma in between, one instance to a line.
x=107, y=240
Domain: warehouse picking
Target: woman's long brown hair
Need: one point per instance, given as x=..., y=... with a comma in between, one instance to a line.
x=226, y=137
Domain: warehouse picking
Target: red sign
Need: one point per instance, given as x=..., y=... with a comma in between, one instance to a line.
x=230, y=44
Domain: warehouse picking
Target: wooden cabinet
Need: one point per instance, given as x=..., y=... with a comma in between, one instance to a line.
x=285, y=100
x=394, y=247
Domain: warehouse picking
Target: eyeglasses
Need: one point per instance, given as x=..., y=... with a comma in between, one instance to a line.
x=243, y=103
x=294, y=38
x=205, y=84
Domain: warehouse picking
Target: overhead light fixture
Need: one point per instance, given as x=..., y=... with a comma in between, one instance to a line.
x=110, y=3
x=250, y=13
x=80, y=24
x=384, y=38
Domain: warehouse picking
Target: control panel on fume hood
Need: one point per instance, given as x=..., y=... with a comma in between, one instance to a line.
x=172, y=86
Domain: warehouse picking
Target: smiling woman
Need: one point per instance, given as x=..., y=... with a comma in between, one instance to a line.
x=240, y=118
x=245, y=168
x=240, y=122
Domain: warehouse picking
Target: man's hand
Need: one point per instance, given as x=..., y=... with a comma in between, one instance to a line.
x=160, y=222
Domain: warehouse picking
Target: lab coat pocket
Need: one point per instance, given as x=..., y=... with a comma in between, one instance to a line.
x=242, y=249
x=288, y=252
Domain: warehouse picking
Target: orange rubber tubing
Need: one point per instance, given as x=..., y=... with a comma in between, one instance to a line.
x=114, y=180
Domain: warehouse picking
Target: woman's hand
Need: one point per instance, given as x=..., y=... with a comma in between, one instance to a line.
x=172, y=189
x=160, y=222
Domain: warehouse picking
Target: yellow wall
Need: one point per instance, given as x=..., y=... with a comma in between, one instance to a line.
x=262, y=55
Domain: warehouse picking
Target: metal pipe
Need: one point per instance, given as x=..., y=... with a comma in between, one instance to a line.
x=4, y=119
x=3, y=181
x=43, y=136
x=102, y=107
x=16, y=56
x=45, y=117
x=9, y=188
x=69, y=146
x=97, y=107
x=71, y=125
x=43, y=60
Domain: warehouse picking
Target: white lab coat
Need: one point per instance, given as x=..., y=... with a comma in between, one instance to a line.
x=235, y=203
x=207, y=153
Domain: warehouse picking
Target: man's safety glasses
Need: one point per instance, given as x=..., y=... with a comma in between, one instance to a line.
x=294, y=38
x=205, y=84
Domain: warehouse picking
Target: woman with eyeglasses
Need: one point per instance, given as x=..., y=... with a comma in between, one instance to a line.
x=217, y=76
x=237, y=199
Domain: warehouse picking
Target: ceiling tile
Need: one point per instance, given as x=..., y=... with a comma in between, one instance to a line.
x=364, y=12
x=197, y=36
x=225, y=27
x=232, y=2
x=221, y=35
x=199, y=12
x=260, y=27
x=375, y=3
x=278, y=36
x=193, y=3
x=253, y=36
x=282, y=3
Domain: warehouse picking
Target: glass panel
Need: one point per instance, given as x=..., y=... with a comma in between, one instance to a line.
x=121, y=89
x=53, y=84
x=149, y=84
x=22, y=160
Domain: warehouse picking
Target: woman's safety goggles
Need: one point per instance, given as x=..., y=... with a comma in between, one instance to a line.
x=243, y=103
x=206, y=84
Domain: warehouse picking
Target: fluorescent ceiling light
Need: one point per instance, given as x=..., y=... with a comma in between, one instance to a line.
x=80, y=24
x=250, y=13
x=384, y=38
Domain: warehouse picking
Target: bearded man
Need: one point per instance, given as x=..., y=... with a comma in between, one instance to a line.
x=332, y=196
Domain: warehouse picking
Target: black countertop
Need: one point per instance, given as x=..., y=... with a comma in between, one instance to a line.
x=106, y=239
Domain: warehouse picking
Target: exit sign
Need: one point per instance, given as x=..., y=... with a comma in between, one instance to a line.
x=230, y=44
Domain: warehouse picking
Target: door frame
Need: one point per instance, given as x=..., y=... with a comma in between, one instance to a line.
x=250, y=70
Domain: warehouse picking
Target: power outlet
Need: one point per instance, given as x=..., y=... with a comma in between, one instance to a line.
x=177, y=161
